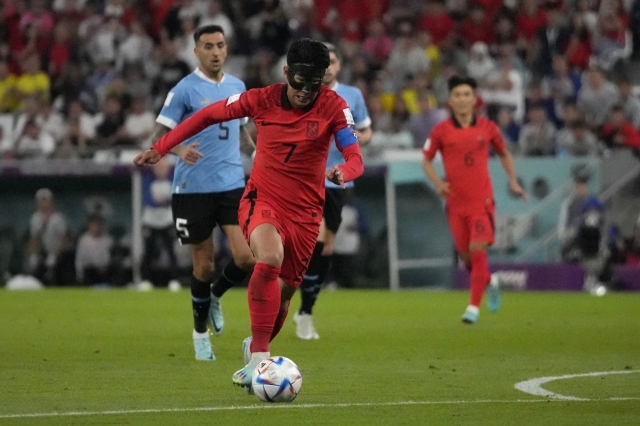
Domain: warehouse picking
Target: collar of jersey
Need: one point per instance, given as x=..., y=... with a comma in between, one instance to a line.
x=457, y=124
x=200, y=74
x=284, y=99
x=335, y=88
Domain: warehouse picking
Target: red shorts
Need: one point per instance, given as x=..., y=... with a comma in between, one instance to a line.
x=298, y=239
x=471, y=226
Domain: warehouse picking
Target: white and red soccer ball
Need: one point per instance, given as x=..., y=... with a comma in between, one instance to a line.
x=276, y=379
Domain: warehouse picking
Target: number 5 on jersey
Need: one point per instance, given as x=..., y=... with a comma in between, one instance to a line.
x=181, y=227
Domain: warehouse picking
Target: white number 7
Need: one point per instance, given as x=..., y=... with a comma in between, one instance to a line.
x=183, y=232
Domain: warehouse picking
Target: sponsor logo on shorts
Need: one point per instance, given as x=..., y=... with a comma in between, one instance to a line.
x=479, y=227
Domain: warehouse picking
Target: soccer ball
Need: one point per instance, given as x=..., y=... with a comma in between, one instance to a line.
x=276, y=379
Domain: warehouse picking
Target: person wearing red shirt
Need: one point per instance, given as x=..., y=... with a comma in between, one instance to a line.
x=618, y=132
x=477, y=27
x=529, y=20
x=437, y=23
x=281, y=209
x=464, y=141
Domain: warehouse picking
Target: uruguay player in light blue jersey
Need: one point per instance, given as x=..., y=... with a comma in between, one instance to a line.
x=208, y=183
x=334, y=201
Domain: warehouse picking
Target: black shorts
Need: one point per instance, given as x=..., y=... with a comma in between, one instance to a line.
x=196, y=215
x=332, y=212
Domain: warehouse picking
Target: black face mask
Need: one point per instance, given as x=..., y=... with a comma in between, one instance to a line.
x=311, y=74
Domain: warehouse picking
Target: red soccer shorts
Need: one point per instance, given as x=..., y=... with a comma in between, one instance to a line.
x=469, y=226
x=298, y=239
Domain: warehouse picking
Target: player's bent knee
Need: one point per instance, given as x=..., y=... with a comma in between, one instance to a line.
x=203, y=269
x=271, y=258
x=245, y=261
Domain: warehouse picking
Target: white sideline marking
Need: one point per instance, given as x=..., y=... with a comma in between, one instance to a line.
x=534, y=386
x=286, y=406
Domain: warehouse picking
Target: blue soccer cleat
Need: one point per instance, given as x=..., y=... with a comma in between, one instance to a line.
x=215, y=319
x=470, y=315
x=493, y=294
x=202, y=346
x=243, y=376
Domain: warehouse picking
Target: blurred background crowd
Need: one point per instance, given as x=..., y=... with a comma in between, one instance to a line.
x=85, y=79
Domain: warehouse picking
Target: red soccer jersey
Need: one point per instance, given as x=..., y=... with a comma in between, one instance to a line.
x=465, y=154
x=291, y=148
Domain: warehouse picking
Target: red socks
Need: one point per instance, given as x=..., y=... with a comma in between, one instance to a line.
x=480, y=276
x=264, y=304
x=282, y=315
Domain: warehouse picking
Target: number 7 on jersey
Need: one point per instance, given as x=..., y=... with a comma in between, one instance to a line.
x=292, y=147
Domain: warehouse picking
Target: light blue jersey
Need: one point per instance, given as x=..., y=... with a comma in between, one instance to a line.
x=220, y=168
x=355, y=101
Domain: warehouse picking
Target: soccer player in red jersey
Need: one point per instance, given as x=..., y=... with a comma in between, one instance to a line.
x=464, y=141
x=281, y=209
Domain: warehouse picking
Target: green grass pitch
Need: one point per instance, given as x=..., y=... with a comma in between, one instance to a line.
x=383, y=359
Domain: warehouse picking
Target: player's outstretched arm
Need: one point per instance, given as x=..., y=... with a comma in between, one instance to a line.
x=441, y=186
x=224, y=110
x=507, y=163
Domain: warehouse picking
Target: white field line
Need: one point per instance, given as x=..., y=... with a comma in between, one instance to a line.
x=287, y=406
x=534, y=386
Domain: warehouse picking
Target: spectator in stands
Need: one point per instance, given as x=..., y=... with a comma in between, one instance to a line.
x=509, y=129
x=52, y=122
x=597, y=97
x=79, y=131
x=612, y=43
x=438, y=23
x=536, y=96
x=618, y=132
x=537, y=137
x=569, y=113
x=157, y=220
x=215, y=16
x=551, y=40
x=269, y=28
x=480, y=65
x=33, y=82
x=185, y=42
x=108, y=34
x=172, y=70
x=629, y=102
x=420, y=124
x=407, y=57
x=109, y=130
x=571, y=211
x=8, y=81
x=529, y=20
x=578, y=50
x=48, y=239
x=33, y=142
x=347, y=242
x=135, y=48
x=477, y=28
x=94, y=90
x=93, y=254
x=62, y=50
x=378, y=45
x=504, y=88
x=577, y=140
x=38, y=17
x=380, y=118
x=139, y=123
x=562, y=84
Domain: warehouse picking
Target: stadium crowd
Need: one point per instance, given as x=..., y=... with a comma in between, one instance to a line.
x=81, y=78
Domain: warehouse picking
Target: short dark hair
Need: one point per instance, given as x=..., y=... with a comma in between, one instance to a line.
x=457, y=80
x=207, y=29
x=333, y=49
x=309, y=52
x=617, y=108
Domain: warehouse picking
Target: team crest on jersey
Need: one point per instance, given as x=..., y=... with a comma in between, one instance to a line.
x=312, y=129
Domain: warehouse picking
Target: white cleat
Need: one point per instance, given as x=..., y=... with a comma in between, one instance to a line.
x=304, y=326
